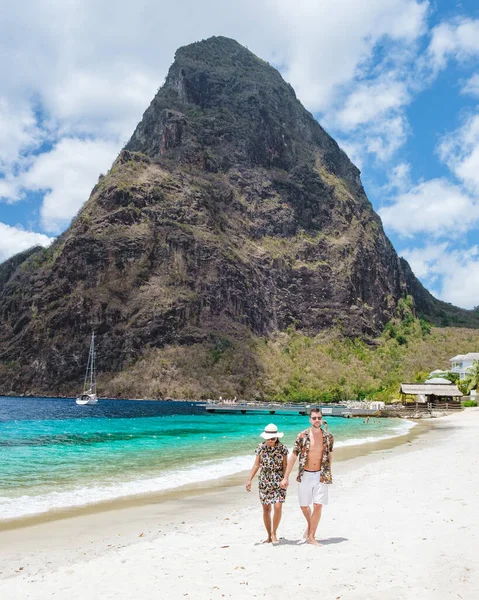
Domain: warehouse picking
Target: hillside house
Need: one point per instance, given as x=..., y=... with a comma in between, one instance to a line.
x=462, y=363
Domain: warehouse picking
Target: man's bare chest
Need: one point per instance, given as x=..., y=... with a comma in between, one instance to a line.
x=316, y=449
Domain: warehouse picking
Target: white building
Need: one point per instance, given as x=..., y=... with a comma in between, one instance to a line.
x=462, y=363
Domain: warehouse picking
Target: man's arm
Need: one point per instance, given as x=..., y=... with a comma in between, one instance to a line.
x=285, y=481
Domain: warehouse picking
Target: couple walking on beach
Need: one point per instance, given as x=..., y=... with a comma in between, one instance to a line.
x=313, y=446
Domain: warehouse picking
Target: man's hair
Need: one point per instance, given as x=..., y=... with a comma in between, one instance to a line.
x=316, y=409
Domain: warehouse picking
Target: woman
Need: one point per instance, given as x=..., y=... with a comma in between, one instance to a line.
x=271, y=458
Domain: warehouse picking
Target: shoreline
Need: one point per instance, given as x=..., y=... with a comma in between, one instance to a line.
x=204, y=487
x=379, y=413
x=385, y=413
x=401, y=524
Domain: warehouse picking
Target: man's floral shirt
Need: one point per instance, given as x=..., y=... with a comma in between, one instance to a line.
x=301, y=449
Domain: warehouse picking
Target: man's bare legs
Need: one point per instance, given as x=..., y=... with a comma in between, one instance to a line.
x=313, y=524
x=278, y=511
x=312, y=518
x=307, y=515
x=267, y=521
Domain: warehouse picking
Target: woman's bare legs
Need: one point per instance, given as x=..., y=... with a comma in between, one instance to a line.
x=267, y=521
x=278, y=511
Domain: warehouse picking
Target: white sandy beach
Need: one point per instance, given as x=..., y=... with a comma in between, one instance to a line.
x=402, y=523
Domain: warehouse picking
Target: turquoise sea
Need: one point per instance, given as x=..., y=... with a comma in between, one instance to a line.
x=55, y=454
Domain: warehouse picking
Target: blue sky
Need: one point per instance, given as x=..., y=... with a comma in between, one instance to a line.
x=396, y=82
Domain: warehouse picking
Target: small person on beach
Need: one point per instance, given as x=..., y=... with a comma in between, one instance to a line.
x=314, y=447
x=271, y=459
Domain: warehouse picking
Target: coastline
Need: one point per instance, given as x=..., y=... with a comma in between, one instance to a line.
x=401, y=523
x=203, y=487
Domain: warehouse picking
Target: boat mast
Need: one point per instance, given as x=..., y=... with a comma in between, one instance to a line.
x=90, y=367
x=92, y=363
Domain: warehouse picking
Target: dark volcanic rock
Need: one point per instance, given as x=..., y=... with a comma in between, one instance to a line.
x=229, y=209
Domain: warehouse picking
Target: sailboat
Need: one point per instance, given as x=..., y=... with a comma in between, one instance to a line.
x=88, y=396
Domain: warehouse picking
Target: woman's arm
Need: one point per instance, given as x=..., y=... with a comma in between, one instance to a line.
x=289, y=467
x=254, y=470
x=285, y=462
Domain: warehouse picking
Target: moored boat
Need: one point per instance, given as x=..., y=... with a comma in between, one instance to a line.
x=88, y=396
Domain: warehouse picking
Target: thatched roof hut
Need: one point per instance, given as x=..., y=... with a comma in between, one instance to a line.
x=431, y=392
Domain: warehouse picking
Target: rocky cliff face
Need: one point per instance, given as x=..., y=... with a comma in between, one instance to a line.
x=230, y=212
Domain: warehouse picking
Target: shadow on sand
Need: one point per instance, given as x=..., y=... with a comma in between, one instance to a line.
x=300, y=542
x=333, y=540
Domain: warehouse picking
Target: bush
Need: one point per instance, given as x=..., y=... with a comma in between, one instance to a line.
x=453, y=377
x=425, y=327
x=468, y=403
x=421, y=376
x=220, y=347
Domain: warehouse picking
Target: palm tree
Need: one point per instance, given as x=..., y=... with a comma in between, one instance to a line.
x=473, y=377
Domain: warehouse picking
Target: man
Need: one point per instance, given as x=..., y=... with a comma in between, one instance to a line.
x=314, y=447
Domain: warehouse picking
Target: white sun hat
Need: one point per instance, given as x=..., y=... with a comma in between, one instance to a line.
x=271, y=431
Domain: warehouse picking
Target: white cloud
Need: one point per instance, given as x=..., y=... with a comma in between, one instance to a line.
x=15, y=239
x=460, y=151
x=18, y=131
x=67, y=174
x=107, y=105
x=471, y=86
x=435, y=207
x=329, y=41
x=426, y=262
x=438, y=206
x=453, y=272
x=386, y=136
x=373, y=119
x=370, y=101
x=400, y=178
x=8, y=189
x=458, y=39
x=372, y=108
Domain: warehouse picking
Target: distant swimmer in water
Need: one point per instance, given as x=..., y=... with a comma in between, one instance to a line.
x=367, y=420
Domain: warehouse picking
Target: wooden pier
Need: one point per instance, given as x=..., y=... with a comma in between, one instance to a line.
x=274, y=408
x=330, y=410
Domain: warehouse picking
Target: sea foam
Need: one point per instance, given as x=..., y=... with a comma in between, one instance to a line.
x=13, y=508
x=400, y=429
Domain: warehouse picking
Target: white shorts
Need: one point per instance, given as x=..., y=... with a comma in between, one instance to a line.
x=311, y=490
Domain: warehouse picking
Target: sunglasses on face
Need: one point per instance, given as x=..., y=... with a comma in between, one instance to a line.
x=272, y=439
x=316, y=418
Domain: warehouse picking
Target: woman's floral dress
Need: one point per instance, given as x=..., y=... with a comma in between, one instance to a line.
x=271, y=472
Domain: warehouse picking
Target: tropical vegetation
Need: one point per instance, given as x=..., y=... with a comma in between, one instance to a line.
x=294, y=367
